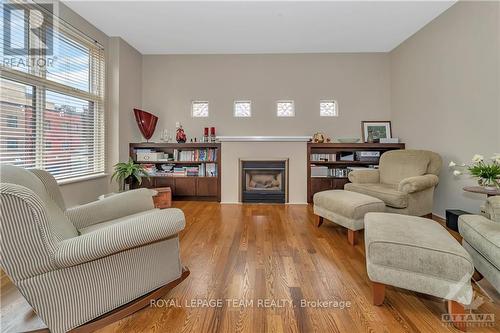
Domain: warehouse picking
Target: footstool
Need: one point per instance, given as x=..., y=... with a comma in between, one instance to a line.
x=345, y=208
x=418, y=254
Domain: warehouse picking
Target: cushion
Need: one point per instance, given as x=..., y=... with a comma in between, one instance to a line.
x=417, y=245
x=483, y=235
x=348, y=204
x=400, y=164
x=385, y=192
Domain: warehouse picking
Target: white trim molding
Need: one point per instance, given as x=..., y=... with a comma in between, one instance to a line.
x=263, y=138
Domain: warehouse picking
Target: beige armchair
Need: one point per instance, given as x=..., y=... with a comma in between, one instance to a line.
x=405, y=181
x=74, y=265
x=481, y=238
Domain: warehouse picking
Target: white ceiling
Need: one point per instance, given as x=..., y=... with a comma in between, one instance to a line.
x=206, y=27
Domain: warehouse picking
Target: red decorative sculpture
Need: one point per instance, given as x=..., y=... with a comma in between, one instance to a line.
x=146, y=122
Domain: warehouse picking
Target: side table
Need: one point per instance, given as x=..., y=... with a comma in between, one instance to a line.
x=482, y=190
x=164, y=197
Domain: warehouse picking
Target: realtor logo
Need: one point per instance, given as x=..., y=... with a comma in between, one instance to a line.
x=28, y=29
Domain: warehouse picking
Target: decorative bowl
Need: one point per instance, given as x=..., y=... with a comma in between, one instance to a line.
x=348, y=140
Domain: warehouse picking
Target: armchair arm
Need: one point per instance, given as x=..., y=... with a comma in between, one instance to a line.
x=418, y=183
x=136, y=232
x=364, y=176
x=112, y=207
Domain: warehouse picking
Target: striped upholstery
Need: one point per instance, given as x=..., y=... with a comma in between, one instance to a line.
x=110, y=208
x=142, y=230
x=51, y=186
x=69, y=278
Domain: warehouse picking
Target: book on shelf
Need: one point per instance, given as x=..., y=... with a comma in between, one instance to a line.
x=204, y=170
x=323, y=157
x=211, y=170
x=196, y=155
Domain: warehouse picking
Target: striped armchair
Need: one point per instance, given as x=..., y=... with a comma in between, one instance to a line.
x=74, y=265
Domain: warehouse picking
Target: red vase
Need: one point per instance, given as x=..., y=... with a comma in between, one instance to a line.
x=146, y=122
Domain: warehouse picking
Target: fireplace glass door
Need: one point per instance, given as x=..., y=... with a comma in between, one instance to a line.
x=263, y=181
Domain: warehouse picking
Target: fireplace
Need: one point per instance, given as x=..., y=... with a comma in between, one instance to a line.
x=264, y=181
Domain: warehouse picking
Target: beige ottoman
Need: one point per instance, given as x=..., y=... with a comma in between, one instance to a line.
x=417, y=254
x=345, y=208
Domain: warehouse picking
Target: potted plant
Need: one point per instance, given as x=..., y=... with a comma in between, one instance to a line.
x=487, y=174
x=125, y=172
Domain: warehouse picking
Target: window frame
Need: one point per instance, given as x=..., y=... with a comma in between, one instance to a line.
x=193, y=102
x=37, y=79
x=336, y=108
x=285, y=101
x=240, y=101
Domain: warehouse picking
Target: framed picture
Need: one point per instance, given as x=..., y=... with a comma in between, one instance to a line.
x=375, y=130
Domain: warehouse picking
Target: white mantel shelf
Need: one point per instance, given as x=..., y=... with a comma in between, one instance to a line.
x=263, y=138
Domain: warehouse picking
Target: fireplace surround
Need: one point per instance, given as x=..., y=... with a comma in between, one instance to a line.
x=263, y=181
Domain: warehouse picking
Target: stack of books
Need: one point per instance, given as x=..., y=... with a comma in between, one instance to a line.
x=196, y=155
x=192, y=171
x=323, y=157
x=149, y=168
x=179, y=171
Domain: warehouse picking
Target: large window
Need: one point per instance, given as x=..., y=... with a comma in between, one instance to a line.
x=51, y=101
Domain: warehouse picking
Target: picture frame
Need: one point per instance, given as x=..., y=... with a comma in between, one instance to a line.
x=379, y=129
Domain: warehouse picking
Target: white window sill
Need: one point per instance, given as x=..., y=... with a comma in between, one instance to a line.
x=81, y=179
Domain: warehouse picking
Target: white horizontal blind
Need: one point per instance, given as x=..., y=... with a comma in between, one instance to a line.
x=57, y=98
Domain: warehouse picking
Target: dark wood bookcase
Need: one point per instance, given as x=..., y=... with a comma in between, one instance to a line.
x=317, y=184
x=183, y=187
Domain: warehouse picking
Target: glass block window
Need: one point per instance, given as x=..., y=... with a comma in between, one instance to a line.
x=242, y=108
x=285, y=109
x=199, y=109
x=328, y=108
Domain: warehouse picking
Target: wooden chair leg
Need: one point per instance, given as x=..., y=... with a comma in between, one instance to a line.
x=378, y=293
x=319, y=221
x=477, y=276
x=457, y=312
x=352, y=236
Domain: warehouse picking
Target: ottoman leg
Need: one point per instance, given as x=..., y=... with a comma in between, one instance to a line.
x=352, y=236
x=319, y=221
x=378, y=293
x=457, y=311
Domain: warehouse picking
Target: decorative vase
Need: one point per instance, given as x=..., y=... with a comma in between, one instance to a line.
x=146, y=122
x=180, y=136
x=488, y=184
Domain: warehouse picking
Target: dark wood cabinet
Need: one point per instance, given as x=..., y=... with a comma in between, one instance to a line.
x=320, y=184
x=165, y=182
x=336, y=151
x=187, y=187
x=206, y=186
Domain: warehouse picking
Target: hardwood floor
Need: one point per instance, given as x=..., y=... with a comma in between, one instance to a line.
x=276, y=254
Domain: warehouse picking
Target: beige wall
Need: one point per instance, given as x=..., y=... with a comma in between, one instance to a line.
x=295, y=152
x=359, y=82
x=444, y=93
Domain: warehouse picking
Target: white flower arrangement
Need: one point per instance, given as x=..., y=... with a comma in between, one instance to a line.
x=488, y=174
